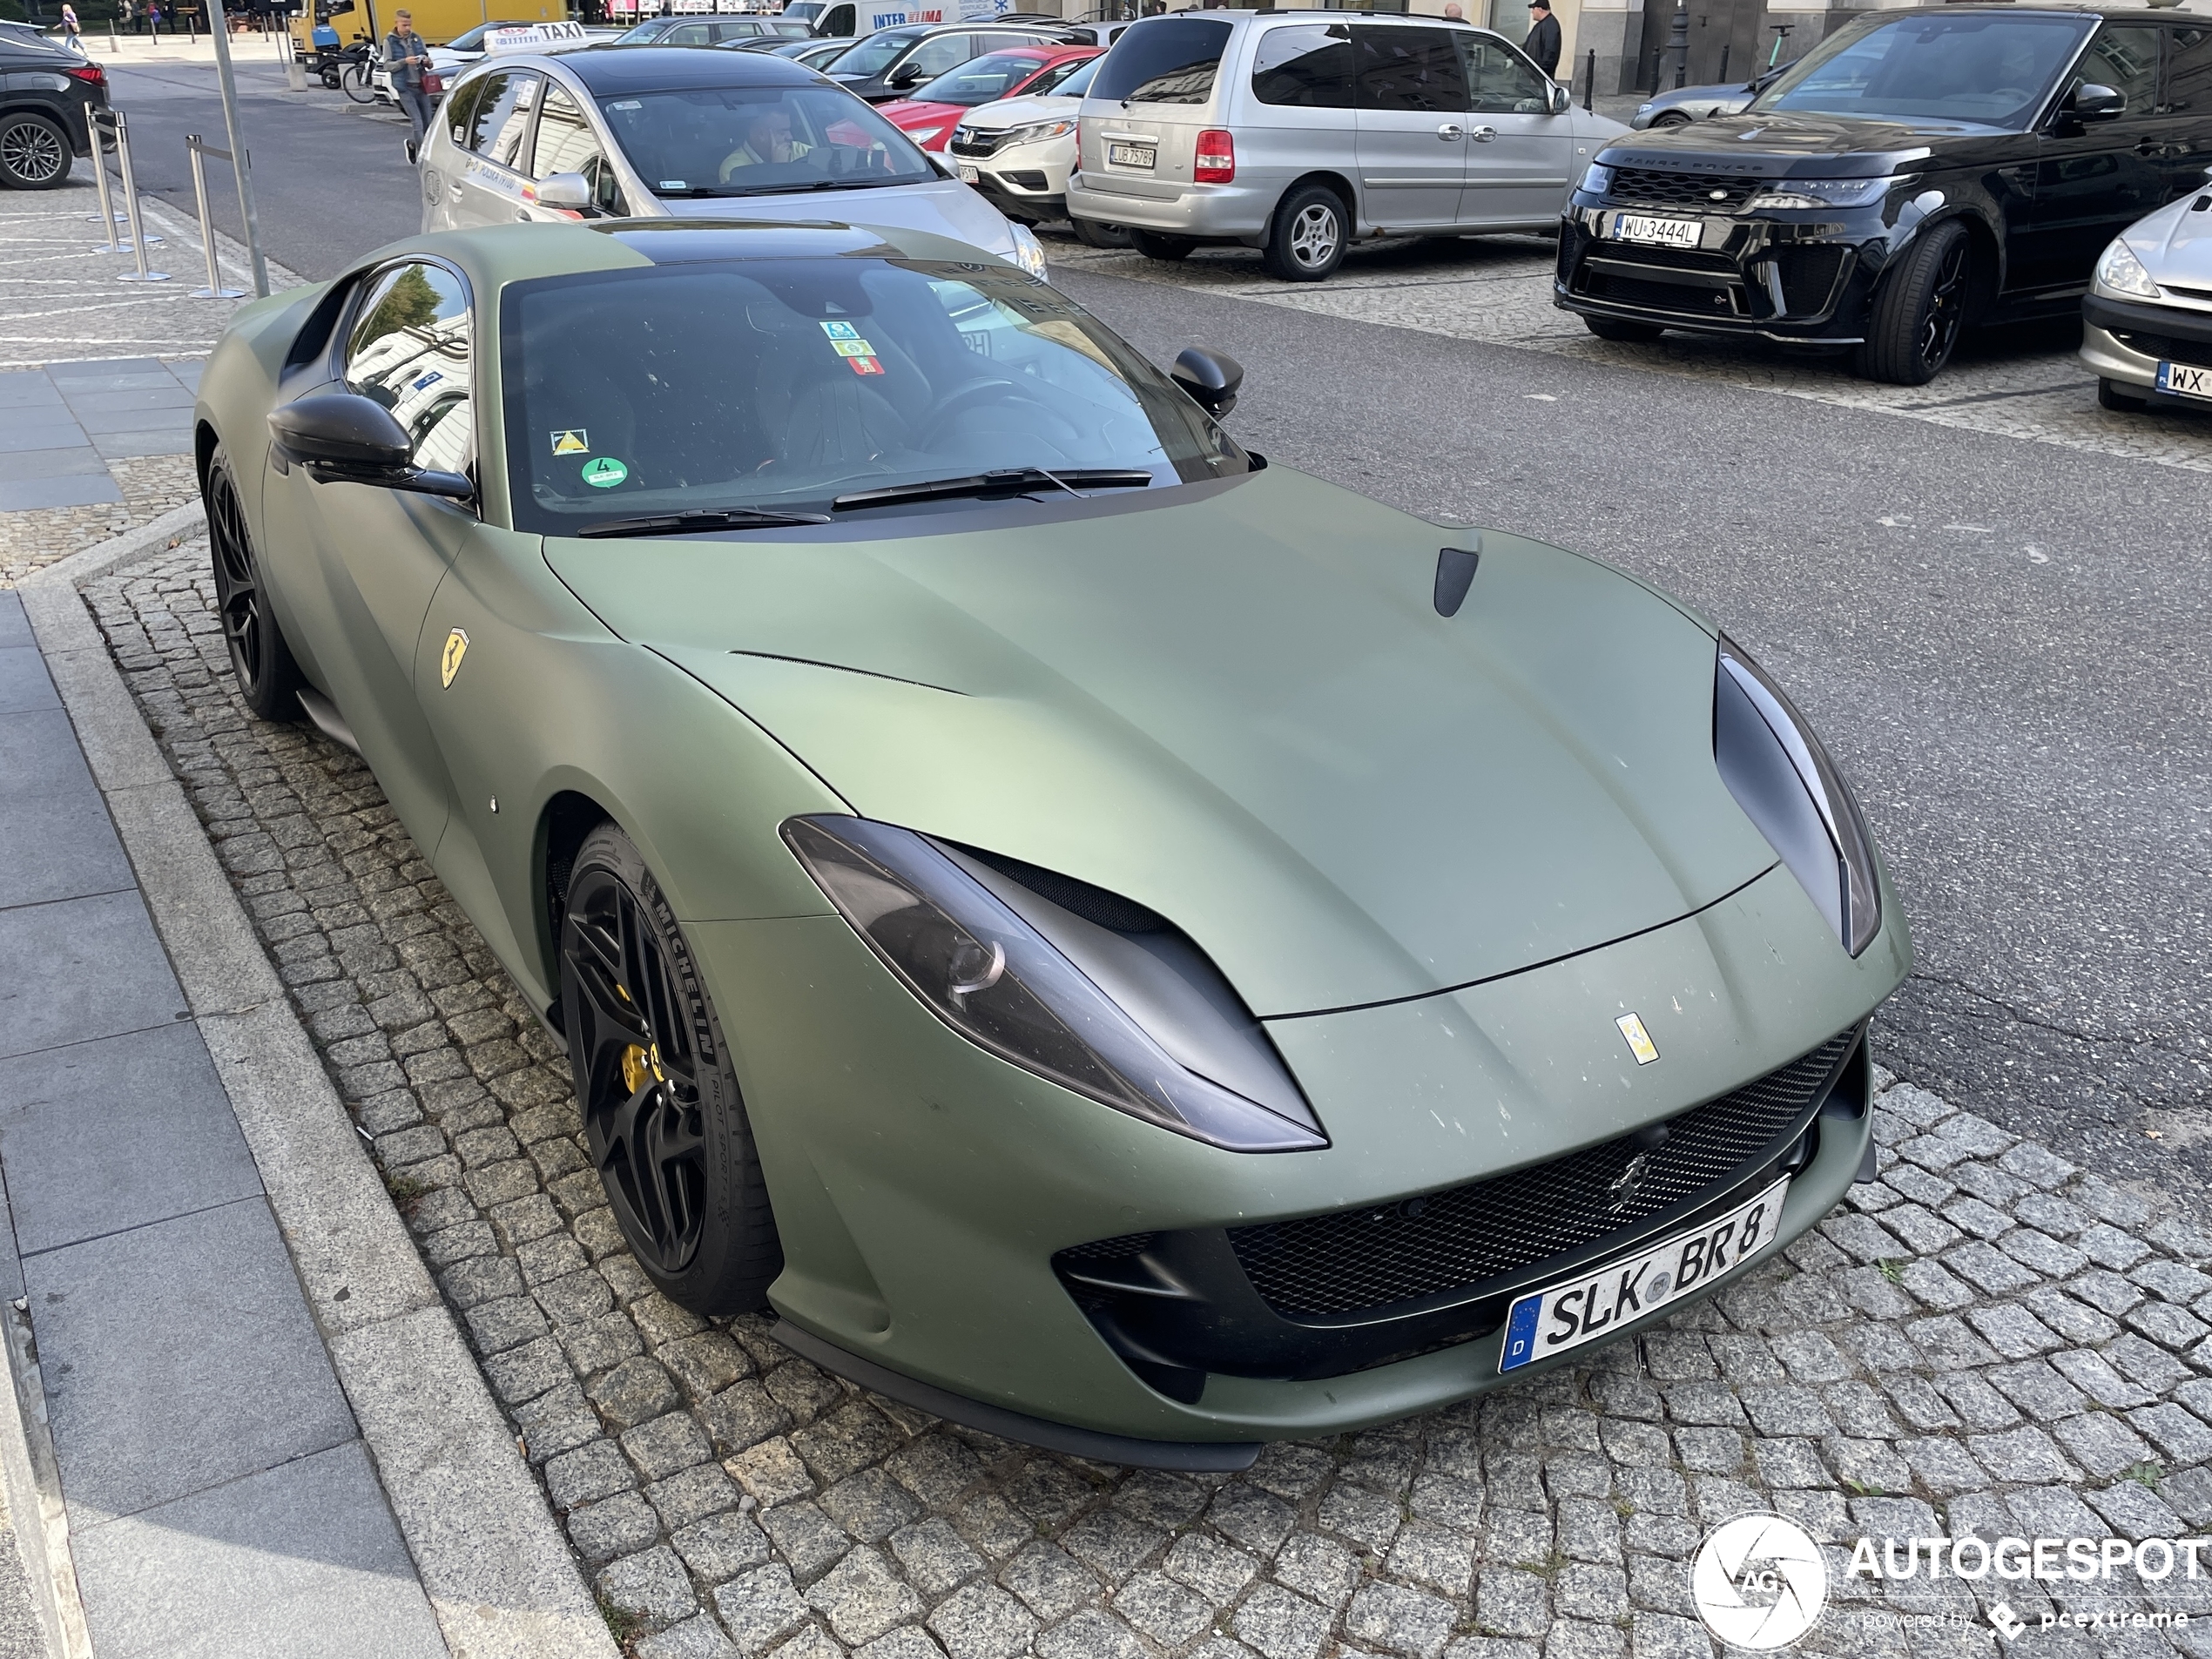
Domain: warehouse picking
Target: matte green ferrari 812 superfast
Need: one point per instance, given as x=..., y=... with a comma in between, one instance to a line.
x=1120, y=944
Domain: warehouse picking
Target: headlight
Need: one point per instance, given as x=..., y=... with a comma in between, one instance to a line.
x=1597, y=180
x=1644, y=109
x=1059, y=992
x=1787, y=786
x=1820, y=192
x=1036, y=134
x=923, y=135
x=1029, y=253
x=2120, y=270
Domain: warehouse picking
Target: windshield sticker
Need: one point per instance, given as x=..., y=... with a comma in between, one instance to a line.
x=671, y=183
x=572, y=442
x=854, y=348
x=626, y=104
x=841, y=331
x=604, y=473
x=864, y=365
x=431, y=378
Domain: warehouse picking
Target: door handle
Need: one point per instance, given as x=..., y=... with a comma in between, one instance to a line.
x=1483, y=135
x=1450, y=131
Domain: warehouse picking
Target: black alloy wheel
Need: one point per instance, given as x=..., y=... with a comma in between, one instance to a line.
x=663, y=1116
x=1308, y=236
x=34, y=152
x=268, y=678
x=1921, y=309
x=1154, y=246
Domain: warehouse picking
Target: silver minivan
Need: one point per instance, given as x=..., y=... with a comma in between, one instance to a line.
x=1296, y=133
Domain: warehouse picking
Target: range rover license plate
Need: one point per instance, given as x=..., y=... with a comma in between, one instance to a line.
x=1591, y=1305
x=2185, y=379
x=1644, y=227
x=1133, y=155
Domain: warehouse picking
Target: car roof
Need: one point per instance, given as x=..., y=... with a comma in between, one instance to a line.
x=606, y=68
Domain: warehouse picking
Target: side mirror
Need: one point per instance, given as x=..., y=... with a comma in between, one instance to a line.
x=1561, y=98
x=906, y=74
x=2091, y=102
x=1212, y=378
x=343, y=438
x=569, y=189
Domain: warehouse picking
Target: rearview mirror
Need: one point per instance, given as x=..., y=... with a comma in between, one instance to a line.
x=2091, y=102
x=343, y=438
x=1212, y=378
x=569, y=189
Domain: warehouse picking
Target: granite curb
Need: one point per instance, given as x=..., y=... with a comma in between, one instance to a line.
x=494, y=1564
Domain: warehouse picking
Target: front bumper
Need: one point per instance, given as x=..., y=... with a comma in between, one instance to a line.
x=2126, y=340
x=1802, y=277
x=923, y=1188
x=1029, y=181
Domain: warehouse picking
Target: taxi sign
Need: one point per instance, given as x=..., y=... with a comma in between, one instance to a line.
x=534, y=37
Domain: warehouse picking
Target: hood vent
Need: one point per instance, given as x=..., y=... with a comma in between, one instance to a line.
x=1454, y=576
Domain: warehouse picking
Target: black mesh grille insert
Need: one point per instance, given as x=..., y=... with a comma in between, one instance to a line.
x=2169, y=347
x=1689, y=191
x=1658, y=296
x=967, y=143
x=1109, y=1250
x=1356, y=1259
x=1809, y=276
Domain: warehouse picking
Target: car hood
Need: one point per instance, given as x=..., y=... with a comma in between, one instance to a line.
x=2175, y=243
x=1241, y=710
x=1020, y=113
x=943, y=206
x=904, y=111
x=1780, y=147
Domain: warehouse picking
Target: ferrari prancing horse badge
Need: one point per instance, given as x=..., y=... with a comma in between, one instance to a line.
x=449, y=664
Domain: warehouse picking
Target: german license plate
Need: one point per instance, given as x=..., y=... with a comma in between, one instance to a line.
x=1133, y=155
x=1584, y=1309
x=2185, y=379
x=1645, y=227
x=967, y=175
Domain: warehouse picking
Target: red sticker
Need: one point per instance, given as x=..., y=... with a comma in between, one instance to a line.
x=864, y=365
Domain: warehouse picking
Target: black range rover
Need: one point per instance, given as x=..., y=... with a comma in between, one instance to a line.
x=1915, y=173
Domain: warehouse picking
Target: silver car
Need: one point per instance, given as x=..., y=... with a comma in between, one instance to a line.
x=660, y=131
x=2147, y=319
x=1295, y=134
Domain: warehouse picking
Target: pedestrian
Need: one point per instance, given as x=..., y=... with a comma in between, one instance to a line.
x=407, y=55
x=1542, y=45
x=1452, y=14
x=69, y=28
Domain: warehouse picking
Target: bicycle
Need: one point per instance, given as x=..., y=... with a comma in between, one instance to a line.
x=354, y=77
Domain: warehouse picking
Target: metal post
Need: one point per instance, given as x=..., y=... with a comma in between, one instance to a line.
x=1589, y=83
x=107, y=216
x=1723, y=76
x=131, y=205
x=241, y=163
x=295, y=76
x=214, y=290
x=1678, y=42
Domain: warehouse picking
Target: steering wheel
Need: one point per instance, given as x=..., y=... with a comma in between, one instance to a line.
x=968, y=394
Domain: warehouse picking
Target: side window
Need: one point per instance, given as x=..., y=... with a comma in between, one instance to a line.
x=688, y=34
x=840, y=23
x=567, y=144
x=1501, y=81
x=1044, y=83
x=1307, y=66
x=941, y=53
x=409, y=351
x=506, y=141
x=460, y=111
x=495, y=103
x=2124, y=55
x=2189, y=71
x=1409, y=69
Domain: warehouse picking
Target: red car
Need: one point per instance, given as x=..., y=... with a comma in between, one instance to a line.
x=930, y=113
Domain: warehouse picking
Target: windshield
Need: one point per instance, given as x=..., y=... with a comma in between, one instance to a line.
x=1168, y=60
x=1990, y=70
x=1079, y=83
x=780, y=385
x=874, y=55
x=760, y=140
x=983, y=80
x=643, y=34
x=474, y=40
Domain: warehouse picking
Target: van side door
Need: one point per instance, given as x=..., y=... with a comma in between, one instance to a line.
x=1520, y=156
x=1412, y=125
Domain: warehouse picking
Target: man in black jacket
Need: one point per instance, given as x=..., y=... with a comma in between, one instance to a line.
x=1542, y=45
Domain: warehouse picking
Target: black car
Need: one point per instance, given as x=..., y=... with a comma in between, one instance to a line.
x=47, y=95
x=892, y=62
x=711, y=31
x=1915, y=173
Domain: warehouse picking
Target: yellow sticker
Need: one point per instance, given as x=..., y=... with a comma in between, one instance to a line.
x=854, y=348
x=449, y=664
x=1639, y=1042
x=572, y=442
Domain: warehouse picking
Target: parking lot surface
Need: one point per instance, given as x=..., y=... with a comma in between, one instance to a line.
x=1990, y=1340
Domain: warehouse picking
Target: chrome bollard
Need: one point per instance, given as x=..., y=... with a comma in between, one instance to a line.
x=107, y=216
x=214, y=290
x=131, y=205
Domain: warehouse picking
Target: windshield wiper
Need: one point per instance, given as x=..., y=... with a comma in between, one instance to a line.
x=1012, y=482
x=736, y=519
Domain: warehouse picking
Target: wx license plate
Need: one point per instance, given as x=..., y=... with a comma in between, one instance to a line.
x=1133, y=155
x=2185, y=379
x=1662, y=232
x=1583, y=1310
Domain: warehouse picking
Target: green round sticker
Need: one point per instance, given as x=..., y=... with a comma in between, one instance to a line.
x=605, y=472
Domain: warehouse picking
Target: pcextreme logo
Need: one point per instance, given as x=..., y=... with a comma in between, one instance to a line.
x=1758, y=1582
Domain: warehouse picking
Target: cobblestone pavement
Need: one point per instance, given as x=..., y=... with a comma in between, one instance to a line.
x=2018, y=384
x=1988, y=1340
x=151, y=485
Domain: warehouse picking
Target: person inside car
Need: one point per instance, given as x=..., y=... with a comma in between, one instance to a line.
x=767, y=139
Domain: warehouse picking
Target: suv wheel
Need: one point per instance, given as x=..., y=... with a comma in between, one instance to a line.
x=1920, y=311
x=34, y=152
x=1153, y=245
x=1306, y=240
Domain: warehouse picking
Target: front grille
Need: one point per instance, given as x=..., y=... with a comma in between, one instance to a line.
x=1695, y=192
x=1658, y=296
x=966, y=141
x=1673, y=259
x=1109, y=1250
x=1809, y=276
x=2170, y=349
x=1354, y=1260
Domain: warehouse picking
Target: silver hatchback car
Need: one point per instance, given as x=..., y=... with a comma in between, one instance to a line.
x=1295, y=134
x=668, y=132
